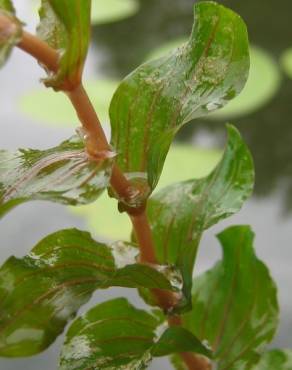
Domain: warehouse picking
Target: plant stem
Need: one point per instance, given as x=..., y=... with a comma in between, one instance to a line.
x=97, y=144
x=192, y=361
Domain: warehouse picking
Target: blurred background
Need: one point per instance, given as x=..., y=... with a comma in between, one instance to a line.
x=126, y=33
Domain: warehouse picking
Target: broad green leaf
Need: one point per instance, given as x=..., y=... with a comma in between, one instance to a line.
x=41, y=292
x=112, y=10
x=116, y=335
x=154, y=101
x=235, y=304
x=178, y=339
x=65, y=26
x=10, y=35
x=182, y=162
x=181, y=212
x=63, y=174
x=275, y=360
x=41, y=104
x=112, y=335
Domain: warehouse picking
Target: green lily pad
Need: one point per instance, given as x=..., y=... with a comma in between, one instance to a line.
x=183, y=162
x=48, y=107
x=112, y=10
x=262, y=85
x=286, y=62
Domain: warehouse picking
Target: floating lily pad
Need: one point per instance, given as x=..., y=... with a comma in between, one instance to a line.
x=183, y=162
x=48, y=107
x=262, y=85
x=286, y=62
x=112, y=10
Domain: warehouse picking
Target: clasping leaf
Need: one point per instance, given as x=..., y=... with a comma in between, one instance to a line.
x=64, y=174
x=159, y=97
x=181, y=212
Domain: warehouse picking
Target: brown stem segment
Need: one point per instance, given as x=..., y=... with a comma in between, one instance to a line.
x=97, y=143
x=192, y=361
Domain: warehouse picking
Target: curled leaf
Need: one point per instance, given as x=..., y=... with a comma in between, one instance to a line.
x=181, y=212
x=159, y=97
x=235, y=306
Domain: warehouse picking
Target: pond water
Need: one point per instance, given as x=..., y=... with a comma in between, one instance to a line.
x=118, y=48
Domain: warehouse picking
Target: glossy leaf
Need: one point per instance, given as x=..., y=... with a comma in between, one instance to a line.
x=116, y=335
x=63, y=174
x=112, y=335
x=177, y=339
x=181, y=212
x=41, y=292
x=153, y=102
x=11, y=34
x=65, y=26
x=235, y=304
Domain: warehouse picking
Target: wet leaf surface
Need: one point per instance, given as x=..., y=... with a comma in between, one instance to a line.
x=63, y=174
x=181, y=212
x=159, y=97
x=235, y=304
x=42, y=291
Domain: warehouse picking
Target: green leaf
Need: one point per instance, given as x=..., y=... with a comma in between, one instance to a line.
x=112, y=10
x=153, y=102
x=178, y=339
x=65, y=26
x=276, y=360
x=235, y=304
x=10, y=35
x=112, y=335
x=64, y=174
x=41, y=292
x=181, y=212
x=116, y=335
